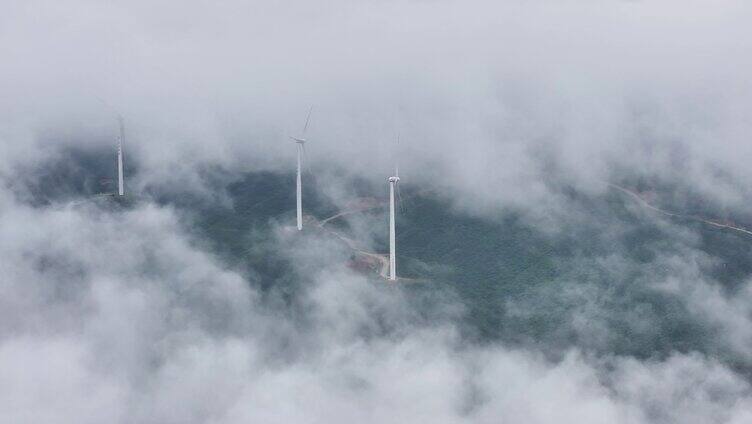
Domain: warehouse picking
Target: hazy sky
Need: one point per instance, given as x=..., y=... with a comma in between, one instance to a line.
x=120, y=316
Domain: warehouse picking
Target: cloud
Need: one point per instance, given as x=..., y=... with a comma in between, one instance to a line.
x=126, y=313
x=491, y=100
x=118, y=316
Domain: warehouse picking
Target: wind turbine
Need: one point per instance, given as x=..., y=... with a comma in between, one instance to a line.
x=392, y=233
x=300, y=141
x=121, y=137
x=120, y=140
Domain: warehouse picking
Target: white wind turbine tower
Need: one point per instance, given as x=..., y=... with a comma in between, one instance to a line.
x=120, y=140
x=392, y=233
x=121, y=137
x=300, y=141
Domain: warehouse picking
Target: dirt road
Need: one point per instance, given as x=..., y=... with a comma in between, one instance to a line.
x=636, y=196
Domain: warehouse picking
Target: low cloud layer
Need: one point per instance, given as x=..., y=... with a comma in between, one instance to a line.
x=490, y=99
x=117, y=317
x=512, y=118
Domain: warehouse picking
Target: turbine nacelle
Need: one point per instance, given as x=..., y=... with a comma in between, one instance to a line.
x=393, y=179
x=298, y=140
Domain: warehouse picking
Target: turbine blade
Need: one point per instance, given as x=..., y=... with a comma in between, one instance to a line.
x=308, y=119
x=107, y=105
x=399, y=199
x=121, y=124
x=305, y=160
x=396, y=159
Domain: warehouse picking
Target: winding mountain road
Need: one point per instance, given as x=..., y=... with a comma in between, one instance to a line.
x=636, y=196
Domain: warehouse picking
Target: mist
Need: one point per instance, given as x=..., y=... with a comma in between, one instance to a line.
x=193, y=302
